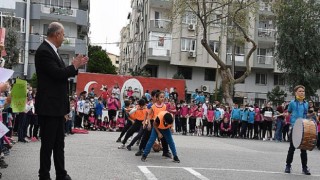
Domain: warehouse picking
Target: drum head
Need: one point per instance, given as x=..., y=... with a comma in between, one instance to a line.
x=297, y=133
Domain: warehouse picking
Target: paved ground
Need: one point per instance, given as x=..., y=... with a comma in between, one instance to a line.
x=95, y=156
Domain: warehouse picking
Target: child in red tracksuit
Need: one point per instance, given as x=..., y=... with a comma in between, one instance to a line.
x=225, y=127
x=210, y=117
x=199, y=115
x=120, y=121
x=184, y=111
x=91, y=119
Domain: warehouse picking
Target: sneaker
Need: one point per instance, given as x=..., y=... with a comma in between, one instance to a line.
x=306, y=171
x=118, y=140
x=144, y=158
x=139, y=153
x=288, y=169
x=3, y=164
x=122, y=146
x=129, y=148
x=176, y=159
x=264, y=139
x=168, y=155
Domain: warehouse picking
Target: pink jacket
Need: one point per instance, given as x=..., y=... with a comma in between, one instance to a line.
x=199, y=114
x=229, y=126
x=184, y=111
x=113, y=104
x=210, y=115
x=91, y=119
x=192, y=111
x=171, y=108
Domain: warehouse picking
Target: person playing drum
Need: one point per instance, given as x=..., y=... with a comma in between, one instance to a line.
x=297, y=109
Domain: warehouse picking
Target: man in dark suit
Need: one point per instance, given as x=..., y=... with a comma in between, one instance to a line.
x=52, y=102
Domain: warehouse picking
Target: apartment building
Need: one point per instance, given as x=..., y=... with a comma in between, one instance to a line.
x=114, y=59
x=35, y=17
x=151, y=42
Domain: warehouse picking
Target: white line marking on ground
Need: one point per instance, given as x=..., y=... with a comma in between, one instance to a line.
x=147, y=173
x=195, y=173
x=238, y=170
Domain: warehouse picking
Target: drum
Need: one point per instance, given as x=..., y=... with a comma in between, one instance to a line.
x=267, y=114
x=304, y=134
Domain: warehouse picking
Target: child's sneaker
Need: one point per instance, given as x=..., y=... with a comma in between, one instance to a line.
x=129, y=148
x=144, y=158
x=122, y=146
x=139, y=153
x=118, y=140
x=176, y=159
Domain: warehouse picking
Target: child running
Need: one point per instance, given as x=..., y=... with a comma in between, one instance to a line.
x=139, y=114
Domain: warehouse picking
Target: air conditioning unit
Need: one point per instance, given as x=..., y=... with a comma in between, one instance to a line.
x=191, y=27
x=205, y=88
x=192, y=54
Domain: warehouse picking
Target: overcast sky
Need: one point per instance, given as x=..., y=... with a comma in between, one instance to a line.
x=107, y=17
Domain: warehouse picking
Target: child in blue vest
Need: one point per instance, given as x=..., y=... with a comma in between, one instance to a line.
x=250, y=122
x=244, y=121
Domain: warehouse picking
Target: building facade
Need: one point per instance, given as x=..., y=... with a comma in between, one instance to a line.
x=151, y=41
x=36, y=15
x=115, y=60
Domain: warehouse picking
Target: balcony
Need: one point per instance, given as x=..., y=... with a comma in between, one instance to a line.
x=239, y=60
x=263, y=61
x=69, y=44
x=163, y=4
x=160, y=25
x=159, y=54
x=41, y=11
x=266, y=34
x=265, y=8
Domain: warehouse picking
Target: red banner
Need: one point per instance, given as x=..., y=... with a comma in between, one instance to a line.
x=86, y=81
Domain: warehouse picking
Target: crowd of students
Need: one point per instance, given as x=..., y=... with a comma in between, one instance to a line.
x=197, y=118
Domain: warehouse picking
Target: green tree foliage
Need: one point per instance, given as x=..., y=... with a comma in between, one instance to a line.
x=298, y=47
x=277, y=96
x=12, y=47
x=140, y=72
x=33, y=81
x=99, y=61
x=178, y=76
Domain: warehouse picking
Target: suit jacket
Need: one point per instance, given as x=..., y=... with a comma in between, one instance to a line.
x=52, y=92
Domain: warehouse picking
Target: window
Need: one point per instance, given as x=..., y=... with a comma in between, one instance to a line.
x=238, y=74
x=261, y=79
x=279, y=80
x=45, y=29
x=21, y=57
x=186, y=72
x=209, y=74
x=60, y=3
x=189, y=18
x=161, y=42
x=188, y=44
x=214, y=45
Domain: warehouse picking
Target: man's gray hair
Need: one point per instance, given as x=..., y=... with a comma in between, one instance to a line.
x=53, y=28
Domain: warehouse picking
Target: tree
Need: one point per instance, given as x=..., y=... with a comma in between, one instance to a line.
x=140, y=72
x=34, y=81
x=99, y=61
x=277, y=96
x=12, y=47
x=233, y=12
x=298, y=47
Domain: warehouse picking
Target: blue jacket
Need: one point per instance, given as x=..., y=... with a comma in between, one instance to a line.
x=217, y=115
x=251, y=117
x=244, y=115
x=235, y=114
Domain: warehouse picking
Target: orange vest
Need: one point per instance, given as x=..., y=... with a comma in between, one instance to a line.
x=139, y=114
x=156, y=110
x=161, y=124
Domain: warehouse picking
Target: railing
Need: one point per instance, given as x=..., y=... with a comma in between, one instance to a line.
x=266, y=32
x=160, y=23
x=47, y=9
x=238, y=57
x=68, y=41
x=262, y=59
